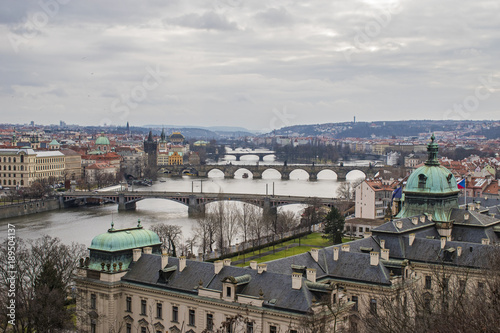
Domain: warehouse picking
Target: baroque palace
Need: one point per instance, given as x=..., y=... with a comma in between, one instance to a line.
x=128, y=284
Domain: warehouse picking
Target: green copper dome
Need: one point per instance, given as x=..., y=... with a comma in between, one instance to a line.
x=432, y=178
x=102, y=140
x=431, y=189
x=124, y=239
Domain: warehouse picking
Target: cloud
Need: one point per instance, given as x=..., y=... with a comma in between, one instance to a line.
x=207, y=21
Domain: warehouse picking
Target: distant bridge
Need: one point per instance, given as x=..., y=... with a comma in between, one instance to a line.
x=256, y=171
x=250, y=153
x=195, y=201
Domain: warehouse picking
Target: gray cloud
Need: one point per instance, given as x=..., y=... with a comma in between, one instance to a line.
x=232, y=62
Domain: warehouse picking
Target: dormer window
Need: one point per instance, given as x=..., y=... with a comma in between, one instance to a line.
x=422, y=179
x=228, y=291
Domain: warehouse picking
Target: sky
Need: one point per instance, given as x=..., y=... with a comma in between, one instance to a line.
x=250, y=63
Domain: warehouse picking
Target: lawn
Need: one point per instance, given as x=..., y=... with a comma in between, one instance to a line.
x=291, y=248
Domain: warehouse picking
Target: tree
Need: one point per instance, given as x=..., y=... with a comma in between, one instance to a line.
x=334, y=226
x=170, y=234
x=347, y=189
x=44, y=270
x=205, y=233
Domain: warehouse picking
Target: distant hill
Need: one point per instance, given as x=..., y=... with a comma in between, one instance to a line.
x=406, y=128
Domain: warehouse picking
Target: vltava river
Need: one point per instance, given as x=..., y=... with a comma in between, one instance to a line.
x=82, y=224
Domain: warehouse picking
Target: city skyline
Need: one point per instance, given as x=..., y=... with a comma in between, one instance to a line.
x=248, y=64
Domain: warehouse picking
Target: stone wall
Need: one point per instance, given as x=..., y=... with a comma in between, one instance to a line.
x=29, y=207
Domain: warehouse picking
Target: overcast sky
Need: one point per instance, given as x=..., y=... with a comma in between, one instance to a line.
x=250, y=63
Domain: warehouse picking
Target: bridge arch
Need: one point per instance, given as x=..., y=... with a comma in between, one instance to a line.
x=240, y=173
x=215, y=172
x=271, y=173
x=355, y=174
x=327, y=174
x=299, y=174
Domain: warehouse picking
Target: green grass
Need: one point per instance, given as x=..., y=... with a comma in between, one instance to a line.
x=278, y=255
x=314, y=240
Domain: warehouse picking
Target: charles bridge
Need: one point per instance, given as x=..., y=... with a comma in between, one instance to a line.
x=256, y=171
x=195, y=201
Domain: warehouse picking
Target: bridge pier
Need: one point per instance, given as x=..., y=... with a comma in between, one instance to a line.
x=313, y=176
x=195, y=207
x=268, y=210
x=123, y=205
x=285, y=175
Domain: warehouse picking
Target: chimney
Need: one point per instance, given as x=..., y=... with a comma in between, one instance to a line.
x=384, y=254
x=218, y=266
x=422, y=218
x=164, y=259
x=367, y=234
x=311, y=274
x=485, y=241
x=382, y=243
x=136, y=254
x=443, y=242
x=182, y=263
x=459, y=251
x=466, y=216
x=200, y=256
x=261, y=268
x=147, y=250
x=471, y=206
x=414, y=220
x=253, y=264
x=336, y=251
x=399, y=224
x=345, y=247
x=296, y=280
x=478, y=205
x=448, y=238
x=315, y=254
x=429, y=216
x=227, y=262
x=374, y=258
x=412, y=239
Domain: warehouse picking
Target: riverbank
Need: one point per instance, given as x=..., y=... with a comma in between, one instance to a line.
x=29, y=207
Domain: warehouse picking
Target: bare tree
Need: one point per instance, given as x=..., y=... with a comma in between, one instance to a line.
x=170, y=234
x=43, y=275
x=347, y=189
x=205, y=233
x=247, y=214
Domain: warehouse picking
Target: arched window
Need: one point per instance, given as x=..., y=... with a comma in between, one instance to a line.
x=422, y=179
x=22, y=182
x=14, y=160
x=22, y=158
x=9, y=168
x=14, y=168
x=9, y=160
x=22, y=168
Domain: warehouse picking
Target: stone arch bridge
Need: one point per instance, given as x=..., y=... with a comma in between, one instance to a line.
x=195, y=201
x=229, y=170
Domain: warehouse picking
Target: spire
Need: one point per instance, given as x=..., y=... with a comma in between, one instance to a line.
x=432, y=150
x=150, y=136
x=162, y=136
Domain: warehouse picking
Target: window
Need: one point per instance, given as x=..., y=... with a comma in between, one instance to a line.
x=159, y=310
x=250, y=327
x=355, y=300
x=210, y=321
x=228, y=291
x=428, y=282
x=273, y=329
x=93, y=326
x=129, y=304
x=129, y=328
x=143, y=329
x=480, y=286
x=143, y=307
x=293, y=331
x=175, y=313
x=445, y=284
x=93, y=299
x=191, y=317
x=360, y=229
x=373, y=306
x=422, y=179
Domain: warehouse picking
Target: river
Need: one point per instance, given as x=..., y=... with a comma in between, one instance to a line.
x=82, y=224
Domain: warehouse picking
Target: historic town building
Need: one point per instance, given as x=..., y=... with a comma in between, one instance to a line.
x=127, y=283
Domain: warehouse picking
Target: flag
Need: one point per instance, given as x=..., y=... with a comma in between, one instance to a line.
x=397, y=193
x=461, y=184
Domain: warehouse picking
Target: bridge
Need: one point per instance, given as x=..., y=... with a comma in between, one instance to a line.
x=195, y=201
x=250, y=153
x=256, y=171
